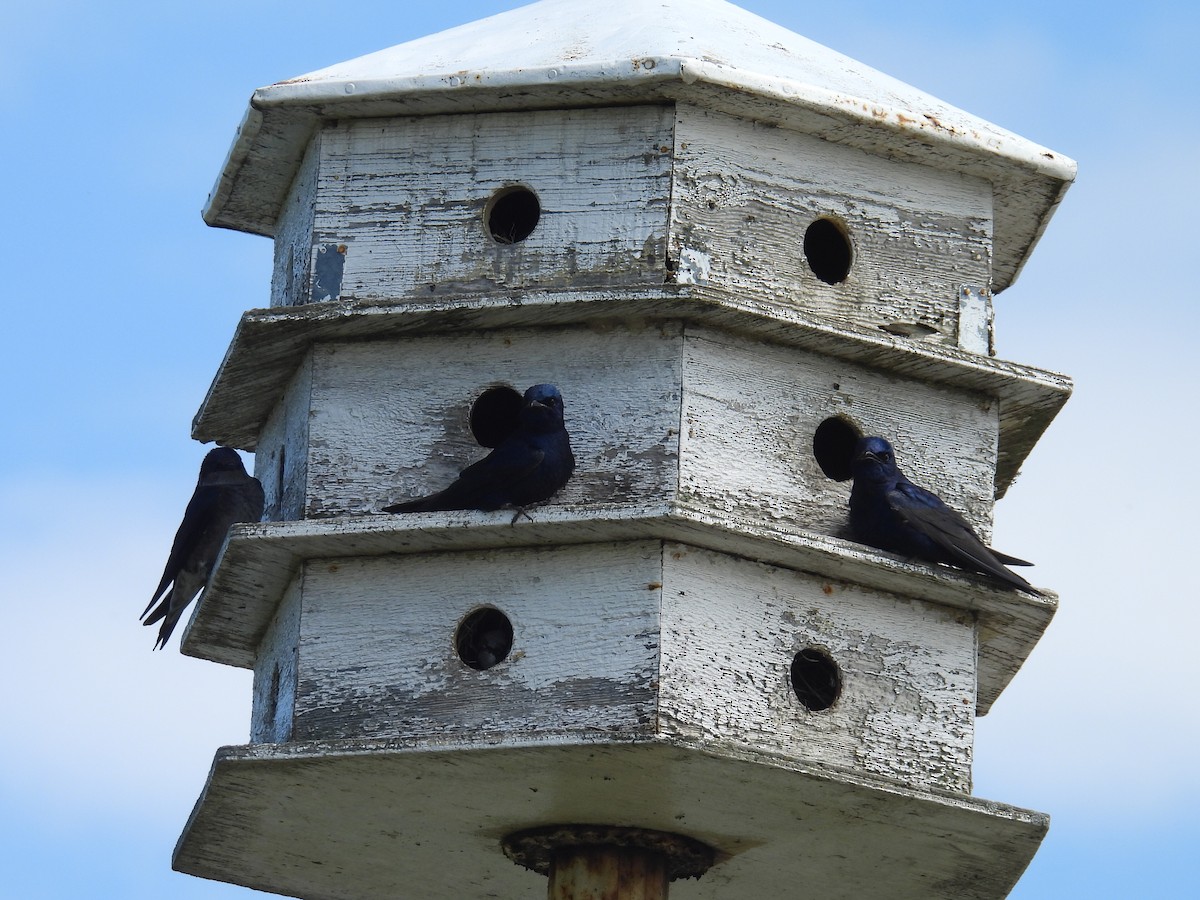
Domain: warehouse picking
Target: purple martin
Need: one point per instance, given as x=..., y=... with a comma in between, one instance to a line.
x=891, y=513
x=224, y=494
x=530, y=464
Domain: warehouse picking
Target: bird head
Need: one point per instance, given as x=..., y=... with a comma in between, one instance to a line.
x=874, y=459
x=221, y=464
x=543, y=406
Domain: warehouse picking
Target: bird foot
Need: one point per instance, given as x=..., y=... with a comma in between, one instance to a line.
x=521, y=511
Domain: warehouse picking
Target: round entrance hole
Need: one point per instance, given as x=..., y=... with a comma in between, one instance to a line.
x=494, y=414
x=512, y=214
x=833, y=446
x=827, y=249
x=484, y=638
x=816, y=679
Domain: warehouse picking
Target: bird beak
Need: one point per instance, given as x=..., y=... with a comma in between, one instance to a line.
x=867, y=454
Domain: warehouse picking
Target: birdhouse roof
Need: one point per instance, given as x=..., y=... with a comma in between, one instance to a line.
x=576, y=53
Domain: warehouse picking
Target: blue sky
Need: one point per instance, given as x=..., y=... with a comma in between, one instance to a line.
x=116, y=120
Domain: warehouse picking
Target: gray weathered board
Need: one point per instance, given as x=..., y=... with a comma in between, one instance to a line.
x=257, y=570
x=718, y=421
x=300, y=818
x=554, y=56
x=269, y=349
x=634, y=196
x=650, y=639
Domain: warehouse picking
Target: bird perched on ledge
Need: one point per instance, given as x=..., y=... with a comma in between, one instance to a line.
x=224, y=494
x=530, y=464
x=889, y=512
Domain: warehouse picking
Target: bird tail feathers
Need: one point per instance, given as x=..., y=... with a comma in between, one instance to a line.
x=420, y=504
x=1009, y=560
x=159, y=611
x=164, y=633
x=162, y=586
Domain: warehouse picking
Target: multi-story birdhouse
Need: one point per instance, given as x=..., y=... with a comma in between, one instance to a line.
x=734, y=251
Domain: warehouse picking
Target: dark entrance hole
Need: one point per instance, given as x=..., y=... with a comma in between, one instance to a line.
x=494, y=414
x=512, y=214
x=484, y=638
x=816, y=679
x=827, y=249
x=833, y=446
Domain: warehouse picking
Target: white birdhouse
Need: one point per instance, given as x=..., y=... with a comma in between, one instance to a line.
x=734, y=251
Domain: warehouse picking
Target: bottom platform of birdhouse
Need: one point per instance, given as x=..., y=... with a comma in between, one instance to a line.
x=356, y=819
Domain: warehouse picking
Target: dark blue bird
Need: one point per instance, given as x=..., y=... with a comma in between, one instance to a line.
x=891, y=513
x=530, y=464
x=224, y=494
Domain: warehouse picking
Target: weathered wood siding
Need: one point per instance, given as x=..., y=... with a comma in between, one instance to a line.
x=291, y=276
x=276, y=671
x=336, y=823
x=406, y=198
x=389, y=419
x=281, y=460
x=731, y=628
x=744, y=193
x=751, y=410
x=634, y=638
x=363, y=424
x=378, y=650
x=397, y=207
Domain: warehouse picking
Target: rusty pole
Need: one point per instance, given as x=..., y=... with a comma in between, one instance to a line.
x=608, y=873
x=599, y=862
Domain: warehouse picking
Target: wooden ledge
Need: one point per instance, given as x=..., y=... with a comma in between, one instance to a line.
x=259, y=561
x=298, y=819
x=269, y=345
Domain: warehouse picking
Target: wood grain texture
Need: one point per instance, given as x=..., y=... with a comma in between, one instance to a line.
x=1028, y=181
x=744, y=194
x=281, y=461
x=407, y=196
x=369, y=427
x=389, y=420
x=731, y=628
x=658, y=602
x=291, y=278
x=751, y=409
x=276, y=671
x=378, y=657
x=259, y=561
x=270, y=344
x=364, y=647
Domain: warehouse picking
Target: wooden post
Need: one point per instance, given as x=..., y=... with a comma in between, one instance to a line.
x=600, y=862
x=608, y=873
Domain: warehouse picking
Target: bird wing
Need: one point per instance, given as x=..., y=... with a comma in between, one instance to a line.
x=187, y=585
x=509, y=462
x=481, y=485
x=1008, y=560
x=254, y=501
x=197, y=519
x=945, y=527
x=210, y=512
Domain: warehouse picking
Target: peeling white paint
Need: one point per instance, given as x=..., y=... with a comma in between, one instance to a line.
x=975, y=320
x=693, y=266
x=653, y=639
